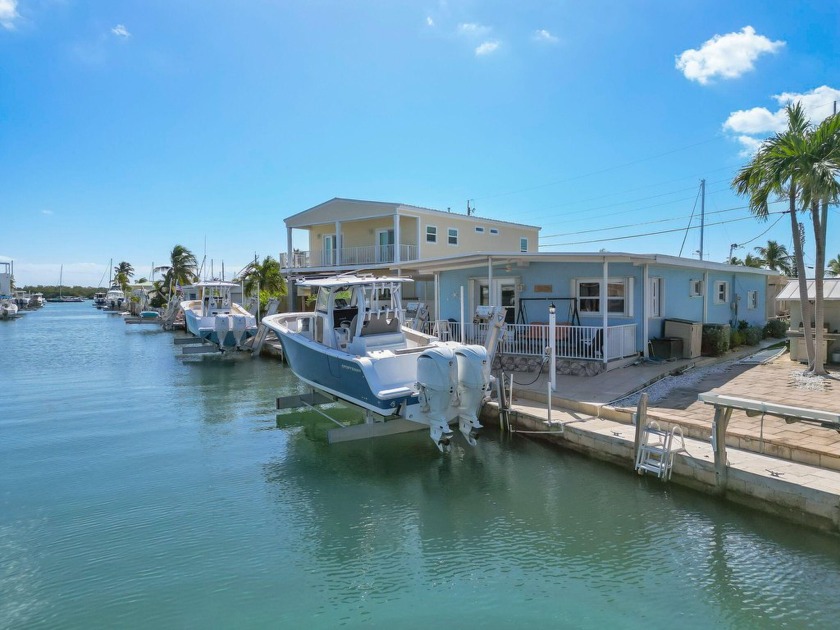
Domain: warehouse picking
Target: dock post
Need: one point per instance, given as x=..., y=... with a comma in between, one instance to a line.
x=641, y=421
x=722, y=416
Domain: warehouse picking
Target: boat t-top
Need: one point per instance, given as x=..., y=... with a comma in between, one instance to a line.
x=216, y=318
x=355, y=347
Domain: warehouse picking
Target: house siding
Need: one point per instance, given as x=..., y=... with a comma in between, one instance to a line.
x=676, y=301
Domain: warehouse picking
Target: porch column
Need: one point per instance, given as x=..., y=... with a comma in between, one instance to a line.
x=645, y=309
x=490, y=279
x=437, y=296
x=289, y=249
x=604, y=315
x=337, y=243
x=397, y=237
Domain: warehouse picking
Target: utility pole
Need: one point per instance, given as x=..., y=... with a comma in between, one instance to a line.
x=702, y=214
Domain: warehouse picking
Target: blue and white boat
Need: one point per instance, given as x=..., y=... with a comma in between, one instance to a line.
x=355, y=347
x=215, y=318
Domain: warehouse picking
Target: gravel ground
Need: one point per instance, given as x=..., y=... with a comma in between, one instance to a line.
x=661, y=388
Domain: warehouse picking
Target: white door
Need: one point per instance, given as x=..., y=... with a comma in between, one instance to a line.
x=502, y=293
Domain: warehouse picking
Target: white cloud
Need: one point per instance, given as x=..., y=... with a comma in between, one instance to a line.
x=472, y=29
x=725, y=56
x=542, y=35
x=485, y=48
x=758, y=120
x=120, y=31
x=8, y=13
x=47, y=212
x=753, y=125
x=429, y=21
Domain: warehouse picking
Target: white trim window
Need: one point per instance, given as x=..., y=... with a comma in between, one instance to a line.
x=695, y=288
x=523, y=244
x=721, y=292
x=619, y=296
x=431, y=234
x=752, y=300
x=452, y=236
x=479, y=229
x=494, y=231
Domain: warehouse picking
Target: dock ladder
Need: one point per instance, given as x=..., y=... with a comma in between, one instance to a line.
x=657, y=449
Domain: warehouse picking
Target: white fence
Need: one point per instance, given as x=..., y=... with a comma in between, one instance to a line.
x=571, y=342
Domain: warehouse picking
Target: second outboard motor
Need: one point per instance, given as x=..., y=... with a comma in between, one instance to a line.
x=473, y=385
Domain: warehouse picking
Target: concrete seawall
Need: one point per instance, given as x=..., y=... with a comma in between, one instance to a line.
x=796, y=492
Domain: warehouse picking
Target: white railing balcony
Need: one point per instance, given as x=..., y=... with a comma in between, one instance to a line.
x=367, y=255
x=298, y=260
x=571, y=342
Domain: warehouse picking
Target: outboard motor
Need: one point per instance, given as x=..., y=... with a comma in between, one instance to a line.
x=473, y=385
x=222, y=326
x=437, y=375
x=240, y=324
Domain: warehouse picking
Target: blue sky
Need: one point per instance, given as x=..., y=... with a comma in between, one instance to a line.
x=129, y=126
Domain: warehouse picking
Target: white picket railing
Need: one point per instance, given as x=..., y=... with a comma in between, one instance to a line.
x=571, y=342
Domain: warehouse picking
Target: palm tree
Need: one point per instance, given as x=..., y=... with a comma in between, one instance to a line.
x=753, y=261
x=834, y=266
x=775, y=256
x=180, y=271
x=734, y=260
x=266, y=277
x=122, y=274
x=767, y=175
x=821, y=188
x=801, y=163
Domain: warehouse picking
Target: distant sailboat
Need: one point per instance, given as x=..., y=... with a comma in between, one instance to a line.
x=60, y=283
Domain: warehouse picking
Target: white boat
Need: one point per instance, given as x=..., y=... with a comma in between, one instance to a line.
x=355, y=347
x=8, y=308
x=99, y=300
x=114, y=299
x=216, y=318
x=37, y=300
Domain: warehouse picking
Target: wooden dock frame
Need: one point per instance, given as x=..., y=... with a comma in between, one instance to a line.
x=724, y=405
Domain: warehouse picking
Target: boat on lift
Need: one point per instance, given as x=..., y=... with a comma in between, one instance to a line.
x=356, y=347
x=214, y=317
x=114, y=299
x=99, y=300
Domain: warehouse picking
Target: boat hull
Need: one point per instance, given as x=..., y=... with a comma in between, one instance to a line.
x=342, y=375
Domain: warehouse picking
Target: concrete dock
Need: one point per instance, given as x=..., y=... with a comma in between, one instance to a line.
x=787, y=469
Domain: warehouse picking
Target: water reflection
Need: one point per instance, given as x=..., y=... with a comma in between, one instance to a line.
x=391, y=515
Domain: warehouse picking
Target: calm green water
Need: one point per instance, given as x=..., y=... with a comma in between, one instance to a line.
x=138, y=489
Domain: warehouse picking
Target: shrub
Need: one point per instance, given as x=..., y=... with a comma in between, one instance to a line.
x=753, y=335
x=775, y=328
x=743, y=324
x=736, y=338
x=715, y=339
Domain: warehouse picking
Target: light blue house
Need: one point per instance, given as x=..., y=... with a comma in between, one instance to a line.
x=608, y=305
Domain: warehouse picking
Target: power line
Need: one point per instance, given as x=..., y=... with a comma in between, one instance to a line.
x=598, y=172
x=618, y=227
x=622, y=238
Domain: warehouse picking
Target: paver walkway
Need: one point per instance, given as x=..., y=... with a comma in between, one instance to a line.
x=779, y=381
x=776, y=381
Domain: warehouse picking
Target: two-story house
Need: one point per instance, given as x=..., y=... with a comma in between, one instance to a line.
x=348, y=234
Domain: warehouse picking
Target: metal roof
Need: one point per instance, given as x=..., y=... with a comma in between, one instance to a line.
x=831, y=289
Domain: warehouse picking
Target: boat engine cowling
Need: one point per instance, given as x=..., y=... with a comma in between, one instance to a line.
x=437, y=378
x=473, y=385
